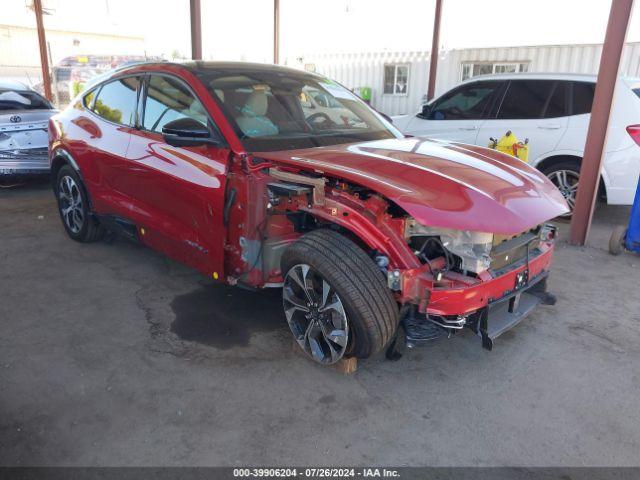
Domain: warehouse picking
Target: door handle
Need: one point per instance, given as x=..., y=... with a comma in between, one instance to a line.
x=549, y=127
x=468, y=128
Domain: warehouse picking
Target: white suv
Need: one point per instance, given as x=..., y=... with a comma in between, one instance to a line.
x=550, y=110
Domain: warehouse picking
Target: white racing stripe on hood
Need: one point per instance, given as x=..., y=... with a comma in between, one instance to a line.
x=356, y=149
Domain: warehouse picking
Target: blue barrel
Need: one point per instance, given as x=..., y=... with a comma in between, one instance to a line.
x=632, y=238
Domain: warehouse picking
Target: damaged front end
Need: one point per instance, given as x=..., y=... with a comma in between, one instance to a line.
x=481, y=281
x=443, y=279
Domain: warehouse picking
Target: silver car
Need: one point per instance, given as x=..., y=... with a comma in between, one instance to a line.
x=24, y=115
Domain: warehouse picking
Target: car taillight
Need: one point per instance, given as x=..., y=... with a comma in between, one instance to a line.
x=634, y=132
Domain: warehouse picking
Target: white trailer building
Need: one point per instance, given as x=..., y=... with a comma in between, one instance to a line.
x=398, y=80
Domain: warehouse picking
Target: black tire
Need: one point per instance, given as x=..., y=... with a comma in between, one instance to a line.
x=89, y=229
x=372, y=312
x=572, y=167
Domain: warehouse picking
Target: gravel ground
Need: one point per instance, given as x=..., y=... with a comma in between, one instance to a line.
x=111, y=355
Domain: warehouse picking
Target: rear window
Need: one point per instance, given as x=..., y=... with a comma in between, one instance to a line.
x=582, y=97
x=636, y=91
x=528, y=99
x=557, y=104
x=22, y=100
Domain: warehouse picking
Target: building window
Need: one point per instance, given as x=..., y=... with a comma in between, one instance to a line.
x=396, y=79
x=471, y=69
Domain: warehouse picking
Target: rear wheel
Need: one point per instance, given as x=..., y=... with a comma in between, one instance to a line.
x=73, y=206
x=565, y=175
x=336, y=299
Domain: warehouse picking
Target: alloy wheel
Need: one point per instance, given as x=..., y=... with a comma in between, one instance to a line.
x=315, y=314
x=71, y=206
x=567, y=182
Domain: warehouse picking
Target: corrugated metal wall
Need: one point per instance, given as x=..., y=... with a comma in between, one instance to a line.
x=366, y=69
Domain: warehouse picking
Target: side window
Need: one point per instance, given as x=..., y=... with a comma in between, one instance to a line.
x=557, y=106
x=169, y=99
x=526, y=99
x=87, y=100
x=117, y=100
x=465, y=102
x=582, y=97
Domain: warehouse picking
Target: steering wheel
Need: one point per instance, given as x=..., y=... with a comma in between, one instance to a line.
x=320, y=120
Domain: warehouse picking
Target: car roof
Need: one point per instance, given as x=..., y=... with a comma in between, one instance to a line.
x=584, y=77
x=14, y=85
x=198, y=66
x=580, y=77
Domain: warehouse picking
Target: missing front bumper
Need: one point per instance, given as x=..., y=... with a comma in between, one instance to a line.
x=520, y=293
x=505, y=313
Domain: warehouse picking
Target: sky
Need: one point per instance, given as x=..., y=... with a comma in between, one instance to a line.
x=243, y=29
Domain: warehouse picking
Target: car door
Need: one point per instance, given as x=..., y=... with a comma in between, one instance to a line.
x=105, y=135
x=458, y=114
x=533, y=110
x=180, y=189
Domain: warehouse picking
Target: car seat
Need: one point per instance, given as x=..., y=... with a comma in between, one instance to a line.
x=197, y=112
x=252, y=120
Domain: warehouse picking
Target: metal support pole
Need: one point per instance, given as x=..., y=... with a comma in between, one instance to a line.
x=196, y=30
x=433, y=64
x=42, y=43
x=276, y=31
x=597, y=132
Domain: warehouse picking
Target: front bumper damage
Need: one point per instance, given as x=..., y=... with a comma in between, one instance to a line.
x=489, y=305
x=505, y=313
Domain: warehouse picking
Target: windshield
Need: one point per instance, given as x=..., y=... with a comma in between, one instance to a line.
x=22, y=100
x=277, y=110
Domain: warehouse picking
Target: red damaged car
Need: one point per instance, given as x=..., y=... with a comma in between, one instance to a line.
x=265, y=176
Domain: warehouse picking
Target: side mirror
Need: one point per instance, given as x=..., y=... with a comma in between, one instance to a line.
x=426, y=112
x=187, y=132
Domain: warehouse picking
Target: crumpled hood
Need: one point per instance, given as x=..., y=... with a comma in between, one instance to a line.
x=440, y=183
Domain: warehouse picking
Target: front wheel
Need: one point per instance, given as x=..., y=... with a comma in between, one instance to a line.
x=335, y=298
x=73, y=205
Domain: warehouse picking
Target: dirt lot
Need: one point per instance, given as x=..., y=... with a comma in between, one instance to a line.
x=113, y=355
